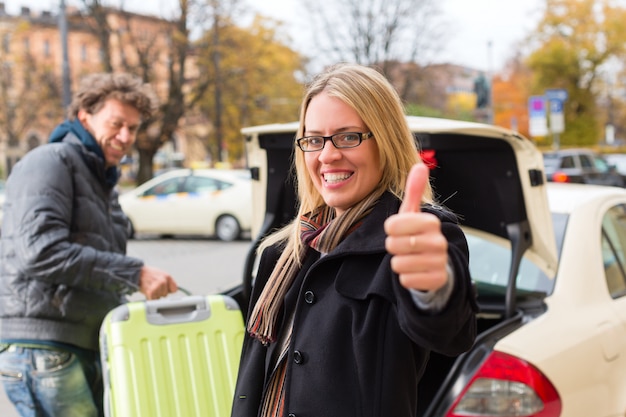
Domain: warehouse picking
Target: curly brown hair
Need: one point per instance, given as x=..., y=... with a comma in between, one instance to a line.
x=95, y=89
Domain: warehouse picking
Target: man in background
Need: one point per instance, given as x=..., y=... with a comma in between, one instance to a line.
x=63, y=263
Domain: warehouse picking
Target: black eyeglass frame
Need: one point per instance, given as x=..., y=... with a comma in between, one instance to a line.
x=362, y=136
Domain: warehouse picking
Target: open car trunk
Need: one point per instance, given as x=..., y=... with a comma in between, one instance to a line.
x=491, y=177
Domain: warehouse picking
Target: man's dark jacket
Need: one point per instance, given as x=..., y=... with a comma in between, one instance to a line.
x=62, y=248
x=359, y=343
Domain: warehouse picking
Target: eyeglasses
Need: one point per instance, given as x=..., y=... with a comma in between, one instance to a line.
x=340, y=140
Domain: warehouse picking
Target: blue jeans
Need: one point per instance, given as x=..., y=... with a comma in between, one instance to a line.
x=51, y=383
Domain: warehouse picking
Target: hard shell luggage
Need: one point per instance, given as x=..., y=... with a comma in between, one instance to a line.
x=173, y=357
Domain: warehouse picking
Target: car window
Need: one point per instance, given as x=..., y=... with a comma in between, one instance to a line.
x=617, y=161
x=601, y=164
x=550, y=162
x=586, y=161
x=490, y=263
x=568, y=162
x=197, y=184
x=613, y=250
x=168, y=186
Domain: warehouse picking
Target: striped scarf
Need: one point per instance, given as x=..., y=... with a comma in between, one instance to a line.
x=322, y=231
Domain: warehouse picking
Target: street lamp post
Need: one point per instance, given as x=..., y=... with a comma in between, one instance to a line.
x=66, y=65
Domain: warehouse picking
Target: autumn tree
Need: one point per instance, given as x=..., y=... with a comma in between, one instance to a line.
x=511, y=89
x=162, y=127
x=576, y=40
x=158, y=53
x=257, y=80
x=29, y=95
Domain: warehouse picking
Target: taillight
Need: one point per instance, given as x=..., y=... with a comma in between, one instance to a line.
x=560, y=177
x=507, y=386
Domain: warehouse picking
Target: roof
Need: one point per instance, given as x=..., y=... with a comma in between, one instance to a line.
x=566, y=198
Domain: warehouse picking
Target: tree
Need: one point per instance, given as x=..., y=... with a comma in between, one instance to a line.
x=374, y=32
x=159, y=54
x=216, y=83
x=162, y=127
x=99, y=25
x=511, y=90
x=258, y=81
x=577, y=39
x=30, y=95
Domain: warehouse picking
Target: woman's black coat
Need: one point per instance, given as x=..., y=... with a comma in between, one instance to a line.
x=359, y=343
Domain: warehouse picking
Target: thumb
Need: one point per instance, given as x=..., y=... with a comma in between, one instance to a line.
x=414, y=188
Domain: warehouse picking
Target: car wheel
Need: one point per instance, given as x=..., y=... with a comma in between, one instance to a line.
x=131, y=230
x=227, y=228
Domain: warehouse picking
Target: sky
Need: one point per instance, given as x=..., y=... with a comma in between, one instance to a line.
x=481, y=33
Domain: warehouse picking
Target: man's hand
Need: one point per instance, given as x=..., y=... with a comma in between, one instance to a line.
x=414, y=238
x=155, y=283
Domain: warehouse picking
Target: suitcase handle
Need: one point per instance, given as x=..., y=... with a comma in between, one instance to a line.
x=172, y=311
x=180, y=289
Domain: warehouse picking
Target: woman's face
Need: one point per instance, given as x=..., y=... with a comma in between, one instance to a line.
x=343, y=177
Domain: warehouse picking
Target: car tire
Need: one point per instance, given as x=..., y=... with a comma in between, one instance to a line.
x=227, y=228
x=131, y=230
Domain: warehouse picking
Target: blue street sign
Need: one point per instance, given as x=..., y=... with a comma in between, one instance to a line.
x=556, y=106
x=556, y=97
x=556, y=94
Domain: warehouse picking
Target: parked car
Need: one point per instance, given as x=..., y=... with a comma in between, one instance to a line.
x=548, y=261
x=580, y=166
x=618, y=160
x=210, y=202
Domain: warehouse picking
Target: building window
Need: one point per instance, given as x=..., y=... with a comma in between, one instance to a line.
x=46, y=48
x=27, y=45
x=83, y=53
x=6, y=43
x=7, y=74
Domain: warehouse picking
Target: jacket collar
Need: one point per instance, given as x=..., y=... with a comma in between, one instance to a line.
x=93, y=161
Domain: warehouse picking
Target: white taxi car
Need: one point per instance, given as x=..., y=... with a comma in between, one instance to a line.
x=548, y=262
x=211, y=202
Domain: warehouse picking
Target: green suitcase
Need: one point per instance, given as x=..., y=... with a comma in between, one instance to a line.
x=171, y=357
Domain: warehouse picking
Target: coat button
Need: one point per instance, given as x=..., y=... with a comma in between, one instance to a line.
x=291, y=415
x=309, y=297
x=298, y=357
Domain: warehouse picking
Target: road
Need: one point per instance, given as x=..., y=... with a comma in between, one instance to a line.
x=201, y=266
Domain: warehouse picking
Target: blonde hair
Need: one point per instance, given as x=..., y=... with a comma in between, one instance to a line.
x=378, y=104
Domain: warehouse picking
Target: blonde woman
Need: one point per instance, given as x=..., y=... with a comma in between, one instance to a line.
x=370, y=276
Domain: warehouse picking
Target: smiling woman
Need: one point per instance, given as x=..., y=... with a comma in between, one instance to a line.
x=368, y=268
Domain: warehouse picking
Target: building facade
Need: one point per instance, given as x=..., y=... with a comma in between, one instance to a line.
x=32, y=63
